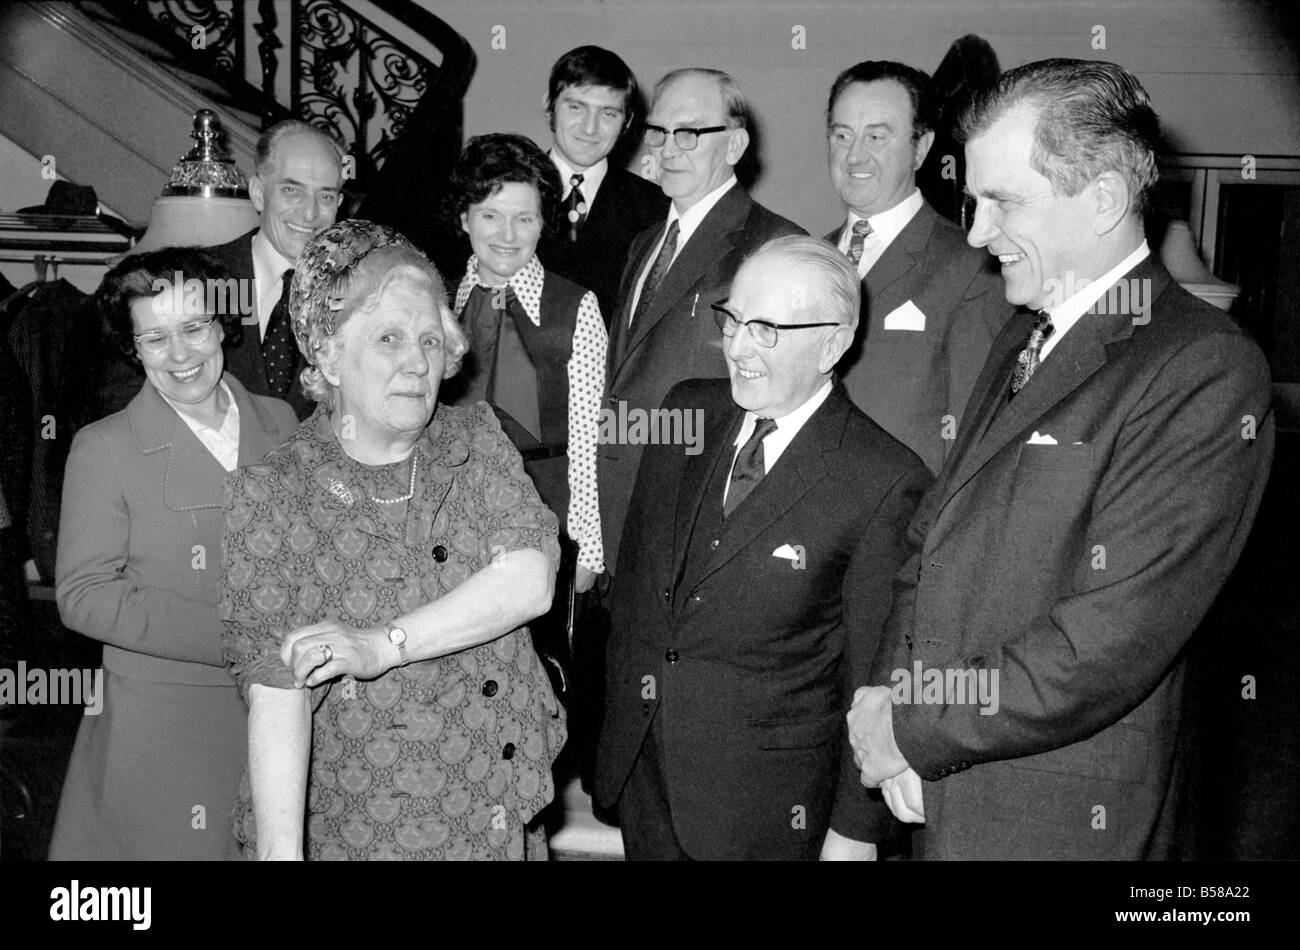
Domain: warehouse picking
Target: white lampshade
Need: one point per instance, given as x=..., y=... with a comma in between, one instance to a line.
x=191, y=221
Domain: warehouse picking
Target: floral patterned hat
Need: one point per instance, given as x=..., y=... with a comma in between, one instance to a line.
x=320, y=275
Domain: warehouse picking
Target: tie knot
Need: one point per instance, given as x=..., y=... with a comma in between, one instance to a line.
x=762, y=429
x=1043, y=325
x=575, y=180
x=862, y=228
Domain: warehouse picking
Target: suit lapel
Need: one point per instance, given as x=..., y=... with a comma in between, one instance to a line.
x=1070, y=364
x=194, y=478
x=712, y=240
x=618, y=344
x=719, y=436
x=902, y=254
x=800, y=468
x=255, y=438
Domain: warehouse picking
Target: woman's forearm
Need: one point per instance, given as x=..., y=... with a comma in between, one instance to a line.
x=279, y=746
x=516, y=587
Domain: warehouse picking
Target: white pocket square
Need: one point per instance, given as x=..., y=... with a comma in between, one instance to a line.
x=787, y=553
x=1037, y=439
x=906, y=317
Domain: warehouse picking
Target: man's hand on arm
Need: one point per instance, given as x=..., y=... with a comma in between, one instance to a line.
x=871, y=733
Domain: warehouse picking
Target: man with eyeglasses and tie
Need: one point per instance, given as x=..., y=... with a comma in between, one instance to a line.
x=296, y=189
x=757, y=580
x=931, y=305
x=662, y=331
x=591, y=103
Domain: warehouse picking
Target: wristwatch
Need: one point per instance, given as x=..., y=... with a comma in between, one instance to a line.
x=397, y=637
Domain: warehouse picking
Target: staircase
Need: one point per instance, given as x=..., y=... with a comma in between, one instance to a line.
x=109, y=89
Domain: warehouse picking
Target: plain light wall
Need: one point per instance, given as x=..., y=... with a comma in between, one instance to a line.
x=1222, y=76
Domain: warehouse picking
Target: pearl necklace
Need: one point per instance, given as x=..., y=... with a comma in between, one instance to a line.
x=410, y=490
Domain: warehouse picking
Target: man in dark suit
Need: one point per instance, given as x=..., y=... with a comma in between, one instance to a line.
x=296, y=189
x=663, y=331
x=591, y=104
x=931, y=304
x=757, y=577
x=1103, y=485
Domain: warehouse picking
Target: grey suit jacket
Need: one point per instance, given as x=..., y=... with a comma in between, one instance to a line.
x=915, y=382
x=676, y=338
x=1078, y=570
x=139, y=563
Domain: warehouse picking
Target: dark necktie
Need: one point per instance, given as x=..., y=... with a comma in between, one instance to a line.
x=1028, y=359
x=861, y=230
x=279, y=351
x=657, y=272
x=749, y=468
x=575, y=206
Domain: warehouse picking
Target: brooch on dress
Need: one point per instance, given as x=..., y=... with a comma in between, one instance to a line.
x=341, y=492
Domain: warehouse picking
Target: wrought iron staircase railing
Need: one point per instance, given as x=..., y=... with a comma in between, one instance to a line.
x=347, y=74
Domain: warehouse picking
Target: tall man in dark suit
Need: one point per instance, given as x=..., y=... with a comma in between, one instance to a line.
x=591, y=103
x=757, y=577
x=1114, y=454
x=663, y=331
x=296, y=190
x=931, y=305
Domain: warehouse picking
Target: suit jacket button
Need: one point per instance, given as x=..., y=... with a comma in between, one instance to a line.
x=508, y=750
x=671, y=656
x=439, y=553
x=697, y=598
x=490, y=688
x=713, y=545
x=666, y=593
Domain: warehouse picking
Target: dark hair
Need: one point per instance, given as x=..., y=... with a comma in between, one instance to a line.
x=490, y=161
x=269, y=140
x=594, y=66
x=1092, y=117
x=137, y=277
x=920, y=90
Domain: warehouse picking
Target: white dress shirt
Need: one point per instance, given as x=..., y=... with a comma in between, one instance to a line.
x=885, y=226
x=269, y=266
x=591, y=178
x=223, y=443
x=586, y=389
x=775, y=443
x=687, y=223
x=1067, y=313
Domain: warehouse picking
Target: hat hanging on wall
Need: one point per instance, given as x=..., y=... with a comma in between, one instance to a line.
x=205, y=201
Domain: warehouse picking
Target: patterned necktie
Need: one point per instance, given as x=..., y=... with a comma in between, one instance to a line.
x=575, y=206
x=749, y=468
x=279, y=351
x=657, y=272
x=861, y=230
x=1028, y=360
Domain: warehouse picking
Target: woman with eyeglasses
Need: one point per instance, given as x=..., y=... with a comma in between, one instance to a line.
x=156, y=765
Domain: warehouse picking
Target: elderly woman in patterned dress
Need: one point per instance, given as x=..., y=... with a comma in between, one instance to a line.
x=380, y=568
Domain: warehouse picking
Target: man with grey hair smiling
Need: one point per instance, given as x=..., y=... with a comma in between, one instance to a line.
x=757, y=581
x=1117, y=447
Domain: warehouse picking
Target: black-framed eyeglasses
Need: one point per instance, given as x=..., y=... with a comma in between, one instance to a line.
x=764, y=332
x=192, y=334
x=685, y=139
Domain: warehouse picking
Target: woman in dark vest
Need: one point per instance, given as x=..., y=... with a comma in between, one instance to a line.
x=537, y=341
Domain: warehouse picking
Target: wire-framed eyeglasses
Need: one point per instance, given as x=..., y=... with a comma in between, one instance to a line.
x=192, y=334
x=685, y=139
x=764, y=332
